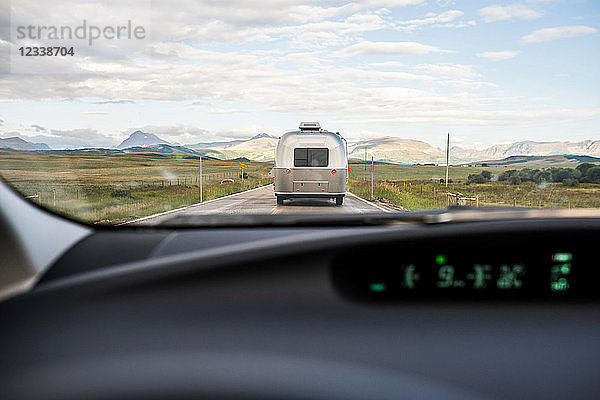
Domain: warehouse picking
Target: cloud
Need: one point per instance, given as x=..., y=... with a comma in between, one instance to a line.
x=176, y=133
x=433, y=18
x=72, y=138
x=512, y=11
x=445, y=19
x=38, y=128
x=94, y=112
x=498, y=55
x=82, y=133
x=457, y=70
x=544, y=35
x=388, y=48
x=114, y=102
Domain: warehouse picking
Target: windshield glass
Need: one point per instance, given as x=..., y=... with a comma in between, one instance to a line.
x=152, y=111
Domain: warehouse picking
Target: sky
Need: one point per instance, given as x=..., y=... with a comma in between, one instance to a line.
x=487, y=72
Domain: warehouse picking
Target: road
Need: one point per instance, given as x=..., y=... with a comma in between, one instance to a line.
x=262, y=201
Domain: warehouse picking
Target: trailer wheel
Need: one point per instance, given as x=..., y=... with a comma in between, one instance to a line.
x=339, y=200
x=279, y=200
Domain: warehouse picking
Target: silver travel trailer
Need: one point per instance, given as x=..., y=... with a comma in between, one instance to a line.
x=311, y=163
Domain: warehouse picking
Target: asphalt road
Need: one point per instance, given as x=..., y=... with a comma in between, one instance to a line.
x=262, y=201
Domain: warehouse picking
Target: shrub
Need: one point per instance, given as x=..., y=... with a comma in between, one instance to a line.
x=515, y=180
x=570, y=182
x=584, y=168
x=483, y=177
x=121, y=193
x=593, y=175
x=476, y=178
x=506, y=175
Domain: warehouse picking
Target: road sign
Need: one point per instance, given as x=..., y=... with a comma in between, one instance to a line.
x=242, y=165
x=372, y=168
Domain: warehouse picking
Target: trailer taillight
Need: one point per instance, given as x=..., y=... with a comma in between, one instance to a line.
x=333, y=171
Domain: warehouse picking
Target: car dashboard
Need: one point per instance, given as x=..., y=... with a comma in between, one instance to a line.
x=502, y=309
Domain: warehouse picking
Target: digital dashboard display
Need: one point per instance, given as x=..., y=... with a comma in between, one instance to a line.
x=476, y=271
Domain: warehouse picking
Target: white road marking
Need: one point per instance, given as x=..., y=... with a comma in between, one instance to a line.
x=368, y=202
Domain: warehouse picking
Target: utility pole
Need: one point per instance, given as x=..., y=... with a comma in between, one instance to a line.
x=372, y=173
x=447, y=156
x=365, y=158
x=200, y=186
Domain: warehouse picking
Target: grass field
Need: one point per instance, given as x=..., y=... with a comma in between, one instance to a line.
x=425, y=194
x=417, y=187
x=116, y=188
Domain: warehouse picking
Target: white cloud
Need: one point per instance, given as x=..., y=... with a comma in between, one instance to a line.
x=457, y=70
x=389, y=48
x=512, y=11
x=498, y=55
x=544, y=35
x=433, y=18
x=177, y=133
x=446, y=19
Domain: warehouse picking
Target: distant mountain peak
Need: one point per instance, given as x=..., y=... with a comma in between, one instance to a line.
x=262, y=135
x=141, y=139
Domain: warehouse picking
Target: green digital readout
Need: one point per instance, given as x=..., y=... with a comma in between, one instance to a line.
x=377, y=287
x=409, y=276
x=480, y=276
x=562, y=257
x=447, y=279
x=560, y=271
x=440, y=259
x=510, y=276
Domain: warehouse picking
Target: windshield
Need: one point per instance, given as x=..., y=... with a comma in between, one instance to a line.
x=149, y=112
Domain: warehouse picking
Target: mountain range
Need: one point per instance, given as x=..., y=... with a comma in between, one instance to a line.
x=16, y=143
x=391, y=149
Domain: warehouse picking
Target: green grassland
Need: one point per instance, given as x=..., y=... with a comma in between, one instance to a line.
x=116, y=188
x=417, y=187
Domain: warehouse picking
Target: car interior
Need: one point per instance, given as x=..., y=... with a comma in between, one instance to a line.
x=299, y=200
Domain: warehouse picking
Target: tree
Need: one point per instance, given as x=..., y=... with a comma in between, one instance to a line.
x=560, y=174
x=542, y=176
x=483, y=177
x=583, y=168
x=515, y=179
x=593, y=175
x=475, y=178
x=526, y=174
x=506, y=175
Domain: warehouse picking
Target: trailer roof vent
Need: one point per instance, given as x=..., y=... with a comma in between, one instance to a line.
x=310, y=126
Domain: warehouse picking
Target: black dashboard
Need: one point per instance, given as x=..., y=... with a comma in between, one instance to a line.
x=499, y=309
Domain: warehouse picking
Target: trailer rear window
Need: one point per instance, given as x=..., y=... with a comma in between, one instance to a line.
x=307, y=157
